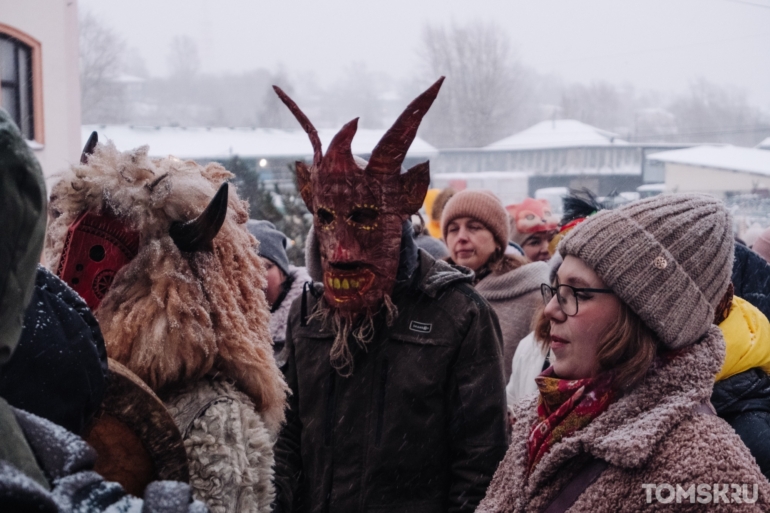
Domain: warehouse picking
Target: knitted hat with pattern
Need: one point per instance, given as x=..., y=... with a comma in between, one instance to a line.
x=483, y=206
x=669, y=258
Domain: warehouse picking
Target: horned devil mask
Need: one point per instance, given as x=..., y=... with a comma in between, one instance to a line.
x=358, y=212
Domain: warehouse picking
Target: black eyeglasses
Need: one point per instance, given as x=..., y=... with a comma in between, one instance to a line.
x=566, y=296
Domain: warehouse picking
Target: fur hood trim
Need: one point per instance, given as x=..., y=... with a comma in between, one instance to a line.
x=280, y=317
x=173, y=317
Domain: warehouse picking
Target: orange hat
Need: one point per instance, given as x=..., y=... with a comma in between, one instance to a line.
x=531, y=216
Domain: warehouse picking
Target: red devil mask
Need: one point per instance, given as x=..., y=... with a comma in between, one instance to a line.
x=95, y=249
x=358, y=212
x=97, y=246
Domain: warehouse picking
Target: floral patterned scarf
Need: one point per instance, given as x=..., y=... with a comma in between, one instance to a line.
x=565, y=407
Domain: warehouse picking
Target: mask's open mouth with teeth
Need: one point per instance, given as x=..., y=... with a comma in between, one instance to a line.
x=346, y=285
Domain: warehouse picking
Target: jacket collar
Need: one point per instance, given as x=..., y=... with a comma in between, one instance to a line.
x=436, y=275
x=514, y=283
x=627, y=434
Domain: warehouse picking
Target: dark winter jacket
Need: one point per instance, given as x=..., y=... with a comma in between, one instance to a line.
x=66, y=461
x=751, y=278
x=59, y=369
x=743, y=401
x=420, y=424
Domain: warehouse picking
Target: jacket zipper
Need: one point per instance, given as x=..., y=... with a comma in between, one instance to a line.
x=329, y=423
x=381, y=401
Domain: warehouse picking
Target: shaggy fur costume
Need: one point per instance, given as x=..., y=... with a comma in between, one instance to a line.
x=228, y=446
x=173, y=317
x=651, y=435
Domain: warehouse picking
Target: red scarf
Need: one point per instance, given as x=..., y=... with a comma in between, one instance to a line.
x=565, y=407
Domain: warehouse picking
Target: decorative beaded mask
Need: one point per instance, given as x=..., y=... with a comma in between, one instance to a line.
x=358, y=211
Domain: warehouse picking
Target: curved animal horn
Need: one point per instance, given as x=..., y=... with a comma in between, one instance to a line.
x=88, y=149
x=307, y=126
x=389, y=153
x=339, y=156
x=197, y=234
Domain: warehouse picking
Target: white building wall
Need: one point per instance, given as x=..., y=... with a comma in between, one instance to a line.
x=54, y=23
x=685, y=178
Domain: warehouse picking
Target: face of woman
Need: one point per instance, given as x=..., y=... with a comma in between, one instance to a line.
x=575, y=339
x=275, y=279
x=469, y=242
x=536, y=247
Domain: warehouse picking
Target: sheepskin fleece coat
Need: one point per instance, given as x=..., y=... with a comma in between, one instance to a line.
x=515, y=297
x=650, y=435
x=229, y=449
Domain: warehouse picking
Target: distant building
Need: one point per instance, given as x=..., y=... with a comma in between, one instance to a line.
x=720, y=170
x=270, y=151
x=39, y=77
x=561, y=153
x=509, y=186
x=764, y=145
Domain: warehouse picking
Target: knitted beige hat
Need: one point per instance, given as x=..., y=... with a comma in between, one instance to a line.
x=669, y=258
x=483, y=206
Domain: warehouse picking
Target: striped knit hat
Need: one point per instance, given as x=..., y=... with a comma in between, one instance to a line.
x=669, y=258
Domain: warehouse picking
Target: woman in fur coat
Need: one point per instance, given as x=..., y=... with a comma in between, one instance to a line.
x=623, y=420
x=475, y=227
x=159, y=250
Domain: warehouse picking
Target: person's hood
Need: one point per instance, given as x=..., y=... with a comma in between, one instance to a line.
x=747, y=338
x=514, y=283
x=59, y=368
x=23, y=214
x=436, y=275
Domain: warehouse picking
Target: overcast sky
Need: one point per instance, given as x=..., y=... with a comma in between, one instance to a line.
x=659, y=44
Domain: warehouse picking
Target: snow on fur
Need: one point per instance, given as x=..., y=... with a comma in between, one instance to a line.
x=172, y=317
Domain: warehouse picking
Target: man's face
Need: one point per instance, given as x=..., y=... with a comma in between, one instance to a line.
x=359, y=239
x=536, y=246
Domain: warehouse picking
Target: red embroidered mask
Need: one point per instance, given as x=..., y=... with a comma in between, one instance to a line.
x=358, y=213
x=96, y=248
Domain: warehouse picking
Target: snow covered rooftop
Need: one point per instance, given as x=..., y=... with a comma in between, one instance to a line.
x=223, y=143
x=731, y=158
x=557, y=134
x=764, y=145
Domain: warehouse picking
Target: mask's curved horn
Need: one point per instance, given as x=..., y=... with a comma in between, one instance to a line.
x=197, y=234
x=88, y=149
x=307, y=126
x=389, y=153
x=339, y=156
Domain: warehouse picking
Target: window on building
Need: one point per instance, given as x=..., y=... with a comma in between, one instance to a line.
x=16, y=82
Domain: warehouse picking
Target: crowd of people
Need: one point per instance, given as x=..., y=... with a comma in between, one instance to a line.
x=438, y=352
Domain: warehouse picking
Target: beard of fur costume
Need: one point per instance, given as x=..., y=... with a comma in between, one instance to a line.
x=347, y=326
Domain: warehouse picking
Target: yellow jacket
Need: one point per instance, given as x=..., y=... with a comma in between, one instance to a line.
x=747, y=337
x=433, y=225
